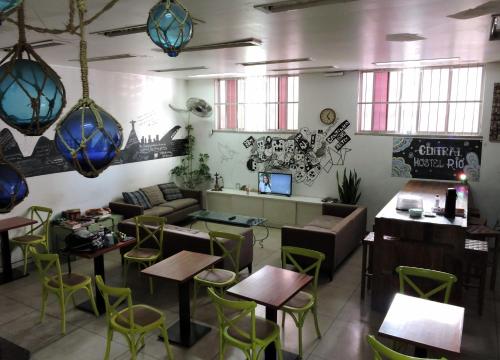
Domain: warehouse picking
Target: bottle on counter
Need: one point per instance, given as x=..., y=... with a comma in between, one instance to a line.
x=436, y=203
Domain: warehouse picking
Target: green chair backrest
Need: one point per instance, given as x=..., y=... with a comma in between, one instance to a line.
x=238, y=310
x=444, y=279
x=47, y=266
x=143, y=225
x=292, y=255
x=228, y=252
x=382, y=352
x=42, y=215
x=120, y=296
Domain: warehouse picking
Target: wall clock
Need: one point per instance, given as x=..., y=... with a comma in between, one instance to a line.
x=328, y=116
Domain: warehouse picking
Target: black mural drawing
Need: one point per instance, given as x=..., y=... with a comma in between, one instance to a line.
x=304, y=154
x=45, y=159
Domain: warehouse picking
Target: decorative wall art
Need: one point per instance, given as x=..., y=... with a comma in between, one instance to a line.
x=442, y=159
x=305, y=154
x=495, y=115
x=226, y=153
x=45, y=159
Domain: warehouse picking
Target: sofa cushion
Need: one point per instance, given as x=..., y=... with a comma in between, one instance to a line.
x=180, y=203
x=170, y=191
x=137, y=198
x=325, y=222
x=154, y=195
x=159, y=211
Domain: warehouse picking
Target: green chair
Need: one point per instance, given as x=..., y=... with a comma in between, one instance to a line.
x=299, y=306
x=239, y=327
x=382, y=352
x=230, y=246
x=142, y=255
x=64, y=286
x=445, y=281
x=38, y=234
x=133, y=321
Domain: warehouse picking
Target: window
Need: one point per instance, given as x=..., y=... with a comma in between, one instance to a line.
x=423, y=101
x=257, y=103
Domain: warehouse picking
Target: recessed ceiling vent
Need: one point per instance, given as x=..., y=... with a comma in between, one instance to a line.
x=401, y=37
x=281, y=6
x=40, y=44
x=132, y=29
x=109, y=57
x=181, y=69
x=222, y=45
x=270, y=62
x=306, y=68
x=488, y=8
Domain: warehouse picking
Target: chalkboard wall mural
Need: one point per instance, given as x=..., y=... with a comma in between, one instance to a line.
x=495, y=115
x=305, y=154
x=45, y=159
x=442, y=159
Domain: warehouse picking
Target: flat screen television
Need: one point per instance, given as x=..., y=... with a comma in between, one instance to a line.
x=275, y=183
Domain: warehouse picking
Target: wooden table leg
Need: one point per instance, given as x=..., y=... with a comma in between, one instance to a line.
x=99, y=300
x=270, y=352
x=493, y=278
x=8, y=273
x=363, y=271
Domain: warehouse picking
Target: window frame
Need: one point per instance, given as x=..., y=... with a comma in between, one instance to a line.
x=241, y=105
x=419, y=102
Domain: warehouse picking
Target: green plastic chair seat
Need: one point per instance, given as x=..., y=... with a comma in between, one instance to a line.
x=143, y=316
x=27, y=239
x=264, y=329
x=302, y=301
x=216, y=276
x=142, y=253
x=69, y=280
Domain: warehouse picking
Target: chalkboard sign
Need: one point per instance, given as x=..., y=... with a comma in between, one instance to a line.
x=442, y=159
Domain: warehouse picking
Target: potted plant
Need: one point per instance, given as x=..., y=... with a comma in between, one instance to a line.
x=188, y=176
x=349, y=187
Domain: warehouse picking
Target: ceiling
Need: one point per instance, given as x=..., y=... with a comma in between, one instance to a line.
x=350, y=35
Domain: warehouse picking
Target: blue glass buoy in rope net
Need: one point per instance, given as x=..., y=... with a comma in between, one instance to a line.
x=170, y=26
x=32, y=96
x=8, y=5
x=89, y=138
x=13, y=187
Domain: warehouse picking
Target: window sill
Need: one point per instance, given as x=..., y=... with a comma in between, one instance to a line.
x=222, y=131
x=454, y=136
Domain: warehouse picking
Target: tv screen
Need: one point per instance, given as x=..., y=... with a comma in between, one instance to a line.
x=275, y=183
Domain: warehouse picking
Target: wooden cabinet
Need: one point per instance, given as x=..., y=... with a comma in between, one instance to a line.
x=279, y=211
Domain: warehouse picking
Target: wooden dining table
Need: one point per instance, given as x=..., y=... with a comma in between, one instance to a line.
x=12, y=223
x=271, y=287
x=429, y=325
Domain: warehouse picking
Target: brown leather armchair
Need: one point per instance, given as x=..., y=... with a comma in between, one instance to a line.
x=336, y=233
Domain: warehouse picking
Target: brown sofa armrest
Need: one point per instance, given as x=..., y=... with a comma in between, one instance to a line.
x=127, y=210
x=193, y=194
x=339, y=210
x=350, y=231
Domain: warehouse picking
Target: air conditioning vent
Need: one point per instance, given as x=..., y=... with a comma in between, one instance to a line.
x=132, y=29
x=334, y=73
x=270, y=62
x=281, y=6
x=40, y=44
x=109, y=57
x=181, y=69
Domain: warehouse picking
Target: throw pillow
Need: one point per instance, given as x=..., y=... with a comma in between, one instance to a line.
x=137, y=198
x=154, y=195
x=170, y=191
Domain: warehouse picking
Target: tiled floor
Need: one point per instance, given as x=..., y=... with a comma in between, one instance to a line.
x=344, y=319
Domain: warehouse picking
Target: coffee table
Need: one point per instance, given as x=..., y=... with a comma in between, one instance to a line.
x=8, y=274
x=230, y=219
x=181, y=268
x=272, y=287
x=425, y=324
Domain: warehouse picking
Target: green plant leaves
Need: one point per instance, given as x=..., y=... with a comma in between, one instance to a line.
x=348, y=188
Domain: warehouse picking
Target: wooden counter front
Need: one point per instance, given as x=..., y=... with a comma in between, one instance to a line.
x=429, y=242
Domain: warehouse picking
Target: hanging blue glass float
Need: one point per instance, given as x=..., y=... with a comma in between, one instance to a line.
x=170, y=26
x=32, y=95
x=13, y=187
x=89, y=138
x=8, y=5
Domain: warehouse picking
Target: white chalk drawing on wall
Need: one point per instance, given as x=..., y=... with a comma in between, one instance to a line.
x=305, y=154
x=226, y=153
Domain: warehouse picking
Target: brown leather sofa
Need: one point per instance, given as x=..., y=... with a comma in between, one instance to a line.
x=175, y=211
x=176, y=239
x=337, y=233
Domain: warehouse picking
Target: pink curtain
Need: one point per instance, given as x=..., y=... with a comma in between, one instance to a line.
x=283, y=102
x=381, y=95
x=232, y=104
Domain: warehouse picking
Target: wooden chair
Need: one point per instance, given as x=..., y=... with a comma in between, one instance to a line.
x=38, y=233
x=476, y=265
x=483, y=232
x=382, y=352
x=445, y=281
x=142, y=255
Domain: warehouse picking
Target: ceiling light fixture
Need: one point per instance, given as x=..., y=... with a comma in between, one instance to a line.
x=270, y=62
x=109, y=57
x=333, y=73
x=132, y=29
x=416, y=62
x=306, y=68
x=222, y=75
x=181, y=69
x=223, y=45
x=39, y=44
x=495, y=27
x=287, y=5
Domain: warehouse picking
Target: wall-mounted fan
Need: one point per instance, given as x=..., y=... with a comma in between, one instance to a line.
x=198, y=107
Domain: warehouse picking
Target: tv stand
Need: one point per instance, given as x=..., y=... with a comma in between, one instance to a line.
x=278, y=210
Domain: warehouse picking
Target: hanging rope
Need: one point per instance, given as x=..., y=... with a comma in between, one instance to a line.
x=84, y=68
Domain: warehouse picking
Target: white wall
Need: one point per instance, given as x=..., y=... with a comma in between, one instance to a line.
x=370, y=156
x=127, y=97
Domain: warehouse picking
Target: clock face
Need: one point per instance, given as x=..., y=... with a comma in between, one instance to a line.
x=328, y=116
